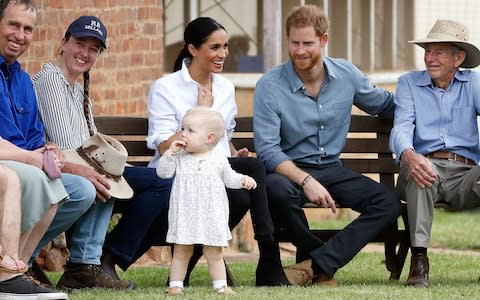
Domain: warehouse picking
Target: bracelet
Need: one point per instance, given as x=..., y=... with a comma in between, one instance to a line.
x=306, y=179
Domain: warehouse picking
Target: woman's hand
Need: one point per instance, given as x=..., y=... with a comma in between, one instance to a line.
x=205, y=97
x=99, y=181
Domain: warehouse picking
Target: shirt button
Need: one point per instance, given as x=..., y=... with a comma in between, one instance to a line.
x=322, y=127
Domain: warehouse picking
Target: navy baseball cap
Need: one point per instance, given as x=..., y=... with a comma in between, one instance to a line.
x=89, y=26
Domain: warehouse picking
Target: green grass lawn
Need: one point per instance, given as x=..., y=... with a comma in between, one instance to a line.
x=452, y=276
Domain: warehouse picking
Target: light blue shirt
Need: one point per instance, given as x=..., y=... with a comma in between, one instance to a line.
x=428, y=118
x=290, y=125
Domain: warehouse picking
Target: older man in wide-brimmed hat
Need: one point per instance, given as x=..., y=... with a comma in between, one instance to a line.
x=435, y=135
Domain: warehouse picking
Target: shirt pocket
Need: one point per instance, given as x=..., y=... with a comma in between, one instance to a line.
x=464, y=120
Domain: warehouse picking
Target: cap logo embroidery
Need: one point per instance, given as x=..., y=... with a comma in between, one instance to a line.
x=95, y=26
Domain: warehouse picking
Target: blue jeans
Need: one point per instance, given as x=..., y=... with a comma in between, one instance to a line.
x=79, y=207
x=145, y=221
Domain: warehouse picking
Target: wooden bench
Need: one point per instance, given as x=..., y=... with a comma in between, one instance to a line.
x=366, y=152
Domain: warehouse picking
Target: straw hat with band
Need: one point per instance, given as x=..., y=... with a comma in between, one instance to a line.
x=447, y=31
x=108, y=157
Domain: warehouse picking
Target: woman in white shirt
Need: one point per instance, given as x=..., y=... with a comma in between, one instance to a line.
x=196, y=82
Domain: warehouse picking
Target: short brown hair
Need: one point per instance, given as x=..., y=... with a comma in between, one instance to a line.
x=308, y=15
x=27, y=3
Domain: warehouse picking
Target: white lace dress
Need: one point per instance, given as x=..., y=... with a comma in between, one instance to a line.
x=198, y=211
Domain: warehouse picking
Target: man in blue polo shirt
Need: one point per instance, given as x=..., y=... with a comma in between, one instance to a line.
x=22, y=127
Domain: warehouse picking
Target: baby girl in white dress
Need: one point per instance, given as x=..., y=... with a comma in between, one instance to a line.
x=198, y=211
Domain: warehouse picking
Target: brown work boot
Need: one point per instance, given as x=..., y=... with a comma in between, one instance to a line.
x=299, y=274
x=90, y=276
x=419, y=267
x=323, y=279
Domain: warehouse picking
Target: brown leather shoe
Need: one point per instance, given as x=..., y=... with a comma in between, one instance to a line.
x=90, y=276
x=299, y=274
x=323, y=279
x=418, y=275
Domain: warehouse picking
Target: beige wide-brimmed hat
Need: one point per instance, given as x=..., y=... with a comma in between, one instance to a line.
x=108, y=157
x=447, y=31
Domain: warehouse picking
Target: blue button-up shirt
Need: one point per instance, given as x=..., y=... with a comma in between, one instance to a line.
x=19, y=120
x=291, y=125
x=428, y=118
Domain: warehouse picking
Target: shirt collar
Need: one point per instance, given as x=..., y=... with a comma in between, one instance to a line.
x=51, y=67
x=54, y=68
x=12, y=68
x=425, y=79
x=186, y=74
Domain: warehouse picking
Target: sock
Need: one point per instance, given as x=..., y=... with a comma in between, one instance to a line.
x=419, y=251
x=175, y=283
x=219, y=283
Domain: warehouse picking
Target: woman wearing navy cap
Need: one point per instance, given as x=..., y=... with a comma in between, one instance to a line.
x=66, y=110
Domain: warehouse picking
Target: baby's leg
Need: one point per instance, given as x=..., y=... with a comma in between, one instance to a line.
x=178, y=268
x=216, y=268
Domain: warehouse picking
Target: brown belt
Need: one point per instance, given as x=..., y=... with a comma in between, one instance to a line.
x=450, y=156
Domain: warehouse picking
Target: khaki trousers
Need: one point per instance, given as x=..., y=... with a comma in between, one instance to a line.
x=456, y=185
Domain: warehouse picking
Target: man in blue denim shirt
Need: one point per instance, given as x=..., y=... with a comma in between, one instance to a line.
x=301, y=119
x=435, y=135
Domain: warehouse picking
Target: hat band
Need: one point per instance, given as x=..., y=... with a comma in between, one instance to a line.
x=98, y=167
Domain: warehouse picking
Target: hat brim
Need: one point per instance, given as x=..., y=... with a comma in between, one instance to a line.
x=472, y=58
x=119, y=189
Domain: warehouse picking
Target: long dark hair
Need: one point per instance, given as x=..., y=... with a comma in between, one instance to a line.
x=196, y=33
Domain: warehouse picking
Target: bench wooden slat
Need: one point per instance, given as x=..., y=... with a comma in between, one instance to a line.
x=365, y=145
x=359, y=123
x=116, y=125
x=138, y=148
